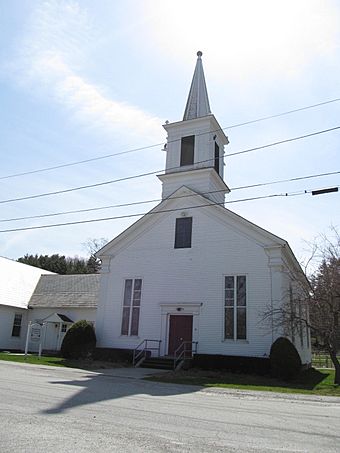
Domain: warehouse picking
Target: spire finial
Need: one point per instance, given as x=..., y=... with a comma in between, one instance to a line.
x=199, y=54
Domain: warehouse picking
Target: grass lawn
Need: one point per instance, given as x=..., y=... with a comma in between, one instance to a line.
x=312, y=381
x=59, y=361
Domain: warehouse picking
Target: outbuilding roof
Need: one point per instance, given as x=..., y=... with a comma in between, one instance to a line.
x=18, y=281
x=54, y=291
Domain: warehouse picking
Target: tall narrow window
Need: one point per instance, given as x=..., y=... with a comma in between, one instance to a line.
x=292, y=313
x=235, y=306
x=183, y=232
x=217, y=158
x=16, y=325
x=131, y=306
x=187, y=150
x=301, y=324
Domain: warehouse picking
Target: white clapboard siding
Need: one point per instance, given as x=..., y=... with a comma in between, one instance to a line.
x=193, y=278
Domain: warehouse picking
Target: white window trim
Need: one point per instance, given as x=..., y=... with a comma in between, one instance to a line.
x=17, y=325
x=235, y=340
x=128, y=335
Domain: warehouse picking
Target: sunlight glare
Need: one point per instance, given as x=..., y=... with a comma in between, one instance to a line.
x=244, y=37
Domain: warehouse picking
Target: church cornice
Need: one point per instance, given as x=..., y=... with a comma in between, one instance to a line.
x=197, y=123
x=196, y=171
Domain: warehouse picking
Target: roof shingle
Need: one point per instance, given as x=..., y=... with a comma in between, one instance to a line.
x=53, y=291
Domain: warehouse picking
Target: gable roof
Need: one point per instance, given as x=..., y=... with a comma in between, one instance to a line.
x=73, y=291
x=18, y=281
x=57, y=317
x=168, y=205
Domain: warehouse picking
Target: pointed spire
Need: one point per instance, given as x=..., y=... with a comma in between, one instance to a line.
x=198, y=102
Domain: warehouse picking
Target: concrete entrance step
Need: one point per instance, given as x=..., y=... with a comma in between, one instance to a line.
x=160, y=363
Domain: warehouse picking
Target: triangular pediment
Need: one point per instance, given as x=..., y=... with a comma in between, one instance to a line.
x=185, y=198
x=57, y=318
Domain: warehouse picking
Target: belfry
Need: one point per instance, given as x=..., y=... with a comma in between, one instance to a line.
x=195, y=146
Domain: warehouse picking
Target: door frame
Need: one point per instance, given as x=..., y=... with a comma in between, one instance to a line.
x=170, y=309
x=180, y=314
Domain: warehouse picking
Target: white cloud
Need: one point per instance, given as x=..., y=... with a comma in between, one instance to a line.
x=48, y=62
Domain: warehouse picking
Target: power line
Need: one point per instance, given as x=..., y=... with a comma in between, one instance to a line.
x=278, y=181
x=78, y=222
x=141, y=175
x=70, y=164
x=284, y=113
x=84, y=161
x=157, y=200
x=284, y=141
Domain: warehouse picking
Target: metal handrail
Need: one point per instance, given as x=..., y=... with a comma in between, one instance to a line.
x=142, y=348
x=178, y=356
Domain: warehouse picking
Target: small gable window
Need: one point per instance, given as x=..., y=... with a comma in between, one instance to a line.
x=217, y=158
x=16, y=325
x=183, y=232
x=131, y=306
x=187, y=150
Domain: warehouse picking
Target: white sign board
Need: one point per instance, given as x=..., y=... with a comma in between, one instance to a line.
x=35, y=333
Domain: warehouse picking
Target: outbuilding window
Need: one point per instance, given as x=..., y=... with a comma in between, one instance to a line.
x=17, y=325
x=235, y=307
x=131, y=306
x=183, y=232
x=187, y=150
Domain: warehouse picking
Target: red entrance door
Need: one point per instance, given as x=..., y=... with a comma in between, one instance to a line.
x=180, y=329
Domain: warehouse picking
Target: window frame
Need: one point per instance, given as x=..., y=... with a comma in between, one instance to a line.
x=183, y=242
x=16, y=327
x=217, y=158
x=187, y=151
x=131, y=308
x=235, y=308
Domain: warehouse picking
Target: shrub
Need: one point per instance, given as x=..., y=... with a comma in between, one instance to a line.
x=79, y=341
x=285, y=361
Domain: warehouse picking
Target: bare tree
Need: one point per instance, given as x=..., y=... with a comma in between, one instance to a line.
x=316, y=307
x=92, y=245
x=324, y=306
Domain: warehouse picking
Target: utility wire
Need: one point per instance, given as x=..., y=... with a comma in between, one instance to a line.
x=141, y=175
x=84, y=161
x=157, y=200
x=264, y=118
x=284, y=141
x=78, y=222
x=70, y=164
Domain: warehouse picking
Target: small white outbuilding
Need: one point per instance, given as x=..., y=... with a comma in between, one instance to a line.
x=58, y=301
x=18, y=282
x=32, y=295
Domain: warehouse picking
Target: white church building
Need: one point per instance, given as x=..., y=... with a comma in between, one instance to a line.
x=190, y=274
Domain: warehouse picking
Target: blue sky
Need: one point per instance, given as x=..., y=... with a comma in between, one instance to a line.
x=84, y=79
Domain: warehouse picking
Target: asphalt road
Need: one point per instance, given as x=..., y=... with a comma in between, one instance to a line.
x=47, y=409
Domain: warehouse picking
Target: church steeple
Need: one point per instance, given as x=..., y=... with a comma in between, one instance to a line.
x=198, y=101
x=195, y=146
